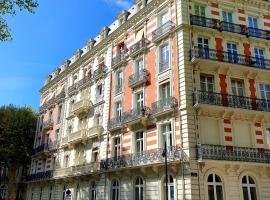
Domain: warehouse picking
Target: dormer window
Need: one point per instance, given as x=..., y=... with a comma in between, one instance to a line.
x=122, y=17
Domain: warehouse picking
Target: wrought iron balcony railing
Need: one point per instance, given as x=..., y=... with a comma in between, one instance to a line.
x=60, y=97
x=233, y=101
x=38, y=149
x=47, y=124
x=72, y=88
x=134, y=114
x=100, y=71
x=144, y=158
x=51, y=145
x=119, y=59
x=242, y=154
x=234, y=58
x=229, y=27
x=162, y=31
x=40, y=176
x=84, y=80
x=164, y=105
x=164, y=66
x=114, y=123
x=138, y=47
x=143, y=76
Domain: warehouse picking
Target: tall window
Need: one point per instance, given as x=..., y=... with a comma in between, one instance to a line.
x=50, y=193
x=166, y=133
x=118, y=106
x=249, y=188
x=203, y=45
x=93, y=191
x=56, y=137
x=59, y=114
x=237, y=87
x=164, y=18
x=66, y=161
x=139, y=189
x=50, y=115
x=171, y=195
x=117, y=147
x=99, y=91
x=119, y=82
x=164, y=91
x=207, y=83
x=139, y=65
x=228, y=19
x=215, y=191
x=253, y=27
x=265, y=91
x=139, y=142
x=139, y=100
x=64, y=193
x=259, y=56
x=199, y=10
x=95, y=154
x=164, y=57
x=232, y=53
x=115, y=190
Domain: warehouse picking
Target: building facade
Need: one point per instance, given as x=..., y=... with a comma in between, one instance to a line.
x=186, y=80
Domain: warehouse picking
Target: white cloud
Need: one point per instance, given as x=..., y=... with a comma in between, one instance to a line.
x=124, y=4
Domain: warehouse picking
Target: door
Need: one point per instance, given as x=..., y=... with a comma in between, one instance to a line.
x=203, y=46
x=232, y=53
x=253, y=27
x=139, y=101
x=265, y=96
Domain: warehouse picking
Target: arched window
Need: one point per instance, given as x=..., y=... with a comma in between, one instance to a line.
x=139, y=188
x=214, y=184
x=171, y=195
x=93, y=191
x=249, y=188
x=115, y=193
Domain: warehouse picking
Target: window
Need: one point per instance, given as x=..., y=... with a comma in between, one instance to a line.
x=78, y=193
x=80, y=157
x=227, y=24
x=139, y=65
x=199, y=10
x=268, y=137
x=164, y=91
x=50, y=115
x=164, y=57
x=166, y=134
x=40, y=193
x=93, y=191
x=253, y=27
x=64, y=193
x=56, y=137
x=237, y=87
x=214, y=184
x=139, y=100
x=59, y=114
x=99, y=91
x=232, y=53
x=249, y=188
x=66, y=161
x=50, y=193
x=54, y=163
x=259, y=56
x=75, y=79
x=265, y=91
x=139, y=189
x=139, y=142
x=115, y=193
x=207, y=83
x=41, y=123
x=95, y=155
x=119, y=82
x=203, y=46
x=118, y=113
x=164, y=18
x=171, y=195
x=117, y=147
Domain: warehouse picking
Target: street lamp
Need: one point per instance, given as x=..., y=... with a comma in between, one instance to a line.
x=164, y=154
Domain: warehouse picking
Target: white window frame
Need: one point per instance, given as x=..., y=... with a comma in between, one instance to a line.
x=215, y=184
x=140, y=187
x=249, y=186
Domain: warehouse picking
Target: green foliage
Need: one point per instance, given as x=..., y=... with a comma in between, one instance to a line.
x=17, y=132
x=11, y=7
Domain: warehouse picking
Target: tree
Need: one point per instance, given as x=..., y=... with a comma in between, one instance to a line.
x=11, y=7
x=17, y=132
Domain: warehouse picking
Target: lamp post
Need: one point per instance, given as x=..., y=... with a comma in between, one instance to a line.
x=164, y=154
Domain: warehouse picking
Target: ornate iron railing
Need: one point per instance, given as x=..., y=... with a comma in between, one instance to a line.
x=229, y=27
x=40, y=176
x=114, y=123
x=243, y=154
x=101, y=70
x=135, y=114
x=47, y=124
x=228, y=57
x=38, y=149
x=51, y=145
x=164, y=105
x=119, y=59
x=84, y=80
x=72, y=88
x=138, y=47
x=148, y=157
x=203, y=21
x=61, y=96
x=52, y=101
x=226, y=100
x=139, y=77
x=162, y=31
x=164, y=66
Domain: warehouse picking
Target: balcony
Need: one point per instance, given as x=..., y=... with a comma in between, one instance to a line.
x=114, y=124
x=119, y=60
x=84, y=169
x=232, y=101
x=39, y=149
x=100, y=72
x=60, y=97
x=164, y=106
x=77, y=136
x=138, y=47
x=62, y=172
x=84, y=81
x=230, y=27
x=64, y=140
x=222, y=56
x=238, y=154
x=136, y=115
x=95, y=132
x=163, y=31
x=40, y=176
x=139, y=78
x=146, y=158
x=99, y=99
x=81, y=107
x=72, y=89
x=48, y=124
x=51, y=146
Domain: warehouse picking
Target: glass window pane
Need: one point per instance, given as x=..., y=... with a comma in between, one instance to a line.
x=245, y=193
x=211, y=195
x=219, y=192
x=253, y=193
x=210, y=178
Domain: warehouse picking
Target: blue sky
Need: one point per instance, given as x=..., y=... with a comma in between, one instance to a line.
x=42, y=41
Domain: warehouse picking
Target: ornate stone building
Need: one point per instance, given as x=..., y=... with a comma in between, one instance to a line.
x=189, y=79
